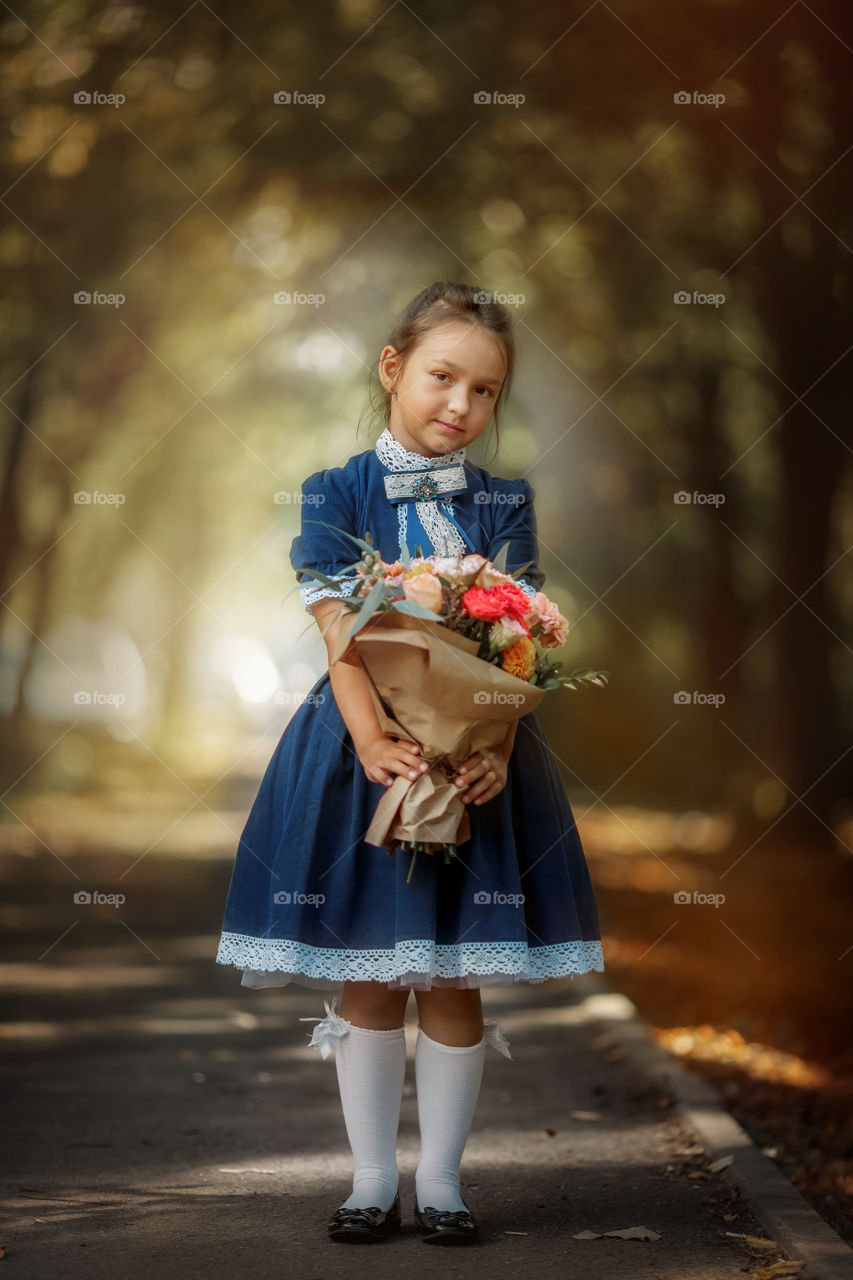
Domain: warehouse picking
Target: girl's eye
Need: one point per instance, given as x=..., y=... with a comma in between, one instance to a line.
x=444, y=375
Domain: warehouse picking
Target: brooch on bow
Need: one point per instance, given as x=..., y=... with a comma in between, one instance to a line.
x=425, y=486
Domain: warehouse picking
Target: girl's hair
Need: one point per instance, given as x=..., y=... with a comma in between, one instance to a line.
x=441, y=303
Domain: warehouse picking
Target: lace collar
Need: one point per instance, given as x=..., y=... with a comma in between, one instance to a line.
x=397, y=458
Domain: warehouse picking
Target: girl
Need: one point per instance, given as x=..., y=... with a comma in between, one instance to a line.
x=310, y=901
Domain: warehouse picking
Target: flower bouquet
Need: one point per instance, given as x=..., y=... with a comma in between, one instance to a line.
x=454, y=652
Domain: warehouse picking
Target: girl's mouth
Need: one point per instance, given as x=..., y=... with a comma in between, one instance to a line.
x=448, y=426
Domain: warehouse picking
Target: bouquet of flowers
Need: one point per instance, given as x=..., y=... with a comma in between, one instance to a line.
x=454, y=652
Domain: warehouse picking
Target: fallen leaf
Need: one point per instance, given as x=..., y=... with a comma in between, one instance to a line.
x=547, y=1133
x=624, y=1233
x=752, y=1242
x=777, y=1270
x=635, y=1233
x=585, y=1115
x=722, y=1163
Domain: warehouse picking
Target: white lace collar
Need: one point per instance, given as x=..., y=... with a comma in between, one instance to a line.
x=397, y=458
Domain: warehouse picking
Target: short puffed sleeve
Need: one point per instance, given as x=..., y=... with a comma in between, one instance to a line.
x=329, y=500
x=515, y=522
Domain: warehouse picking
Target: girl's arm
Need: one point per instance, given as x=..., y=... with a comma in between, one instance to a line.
x=349, y=683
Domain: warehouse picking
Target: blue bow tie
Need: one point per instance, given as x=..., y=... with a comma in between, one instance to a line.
x=425, y=486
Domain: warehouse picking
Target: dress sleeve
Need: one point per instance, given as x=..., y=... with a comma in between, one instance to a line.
x=329, y=500
x=515, y=521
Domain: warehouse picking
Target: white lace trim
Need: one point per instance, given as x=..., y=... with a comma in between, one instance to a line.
x=442, y=533
x=397, y=458
x=333, y=1026
x=416, y=958
x=310, y=595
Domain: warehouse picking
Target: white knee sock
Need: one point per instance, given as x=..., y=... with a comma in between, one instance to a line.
x=447, y=1079
x=371, y=1067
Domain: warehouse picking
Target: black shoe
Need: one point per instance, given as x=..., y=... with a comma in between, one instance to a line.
x=446, y=1226
x=364, y=1226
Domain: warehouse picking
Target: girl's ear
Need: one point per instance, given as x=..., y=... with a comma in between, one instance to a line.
x=389, y=369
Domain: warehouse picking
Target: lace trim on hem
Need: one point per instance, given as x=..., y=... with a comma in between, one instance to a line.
x=421, y=957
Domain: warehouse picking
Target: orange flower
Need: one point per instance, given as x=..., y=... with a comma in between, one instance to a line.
x=520, y=658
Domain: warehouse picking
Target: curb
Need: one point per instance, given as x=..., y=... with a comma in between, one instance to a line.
x=777, y=1204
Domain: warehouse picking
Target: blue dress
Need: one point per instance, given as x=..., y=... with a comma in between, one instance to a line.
x=311, y=902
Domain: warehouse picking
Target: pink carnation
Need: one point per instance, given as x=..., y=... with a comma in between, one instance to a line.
x=554, y=627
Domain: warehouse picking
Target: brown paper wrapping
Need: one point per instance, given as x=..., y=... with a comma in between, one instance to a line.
x=428, y=686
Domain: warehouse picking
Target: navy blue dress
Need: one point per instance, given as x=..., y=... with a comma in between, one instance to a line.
x=311, y=902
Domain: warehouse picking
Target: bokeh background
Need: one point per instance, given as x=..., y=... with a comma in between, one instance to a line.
x=210, y=219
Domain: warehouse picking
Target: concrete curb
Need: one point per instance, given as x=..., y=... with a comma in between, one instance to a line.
x=776, y=1203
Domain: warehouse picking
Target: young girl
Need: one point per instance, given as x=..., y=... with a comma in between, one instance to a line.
x=310, y=901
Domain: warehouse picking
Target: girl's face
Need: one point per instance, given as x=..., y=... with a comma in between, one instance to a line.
x=445, y=391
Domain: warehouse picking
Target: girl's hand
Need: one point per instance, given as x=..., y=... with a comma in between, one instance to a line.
x=386, y=757
x=483, y=775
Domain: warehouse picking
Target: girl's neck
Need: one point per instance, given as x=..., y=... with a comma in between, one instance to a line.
x=394, y=451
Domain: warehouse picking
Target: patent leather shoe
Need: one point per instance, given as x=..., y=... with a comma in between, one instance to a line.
x=446, y=1226
x=364, y=1226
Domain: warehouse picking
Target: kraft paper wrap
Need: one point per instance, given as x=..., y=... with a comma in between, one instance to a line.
x=429, y=687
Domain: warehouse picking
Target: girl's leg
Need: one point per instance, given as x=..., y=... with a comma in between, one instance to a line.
x=371, y=1066
x=449, y=1057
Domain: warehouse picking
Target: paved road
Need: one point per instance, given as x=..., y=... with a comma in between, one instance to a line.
x=160, y=1119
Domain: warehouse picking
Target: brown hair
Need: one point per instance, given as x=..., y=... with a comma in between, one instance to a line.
x=440, y=303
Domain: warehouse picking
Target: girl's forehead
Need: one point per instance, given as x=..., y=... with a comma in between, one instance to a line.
x=461, y=344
